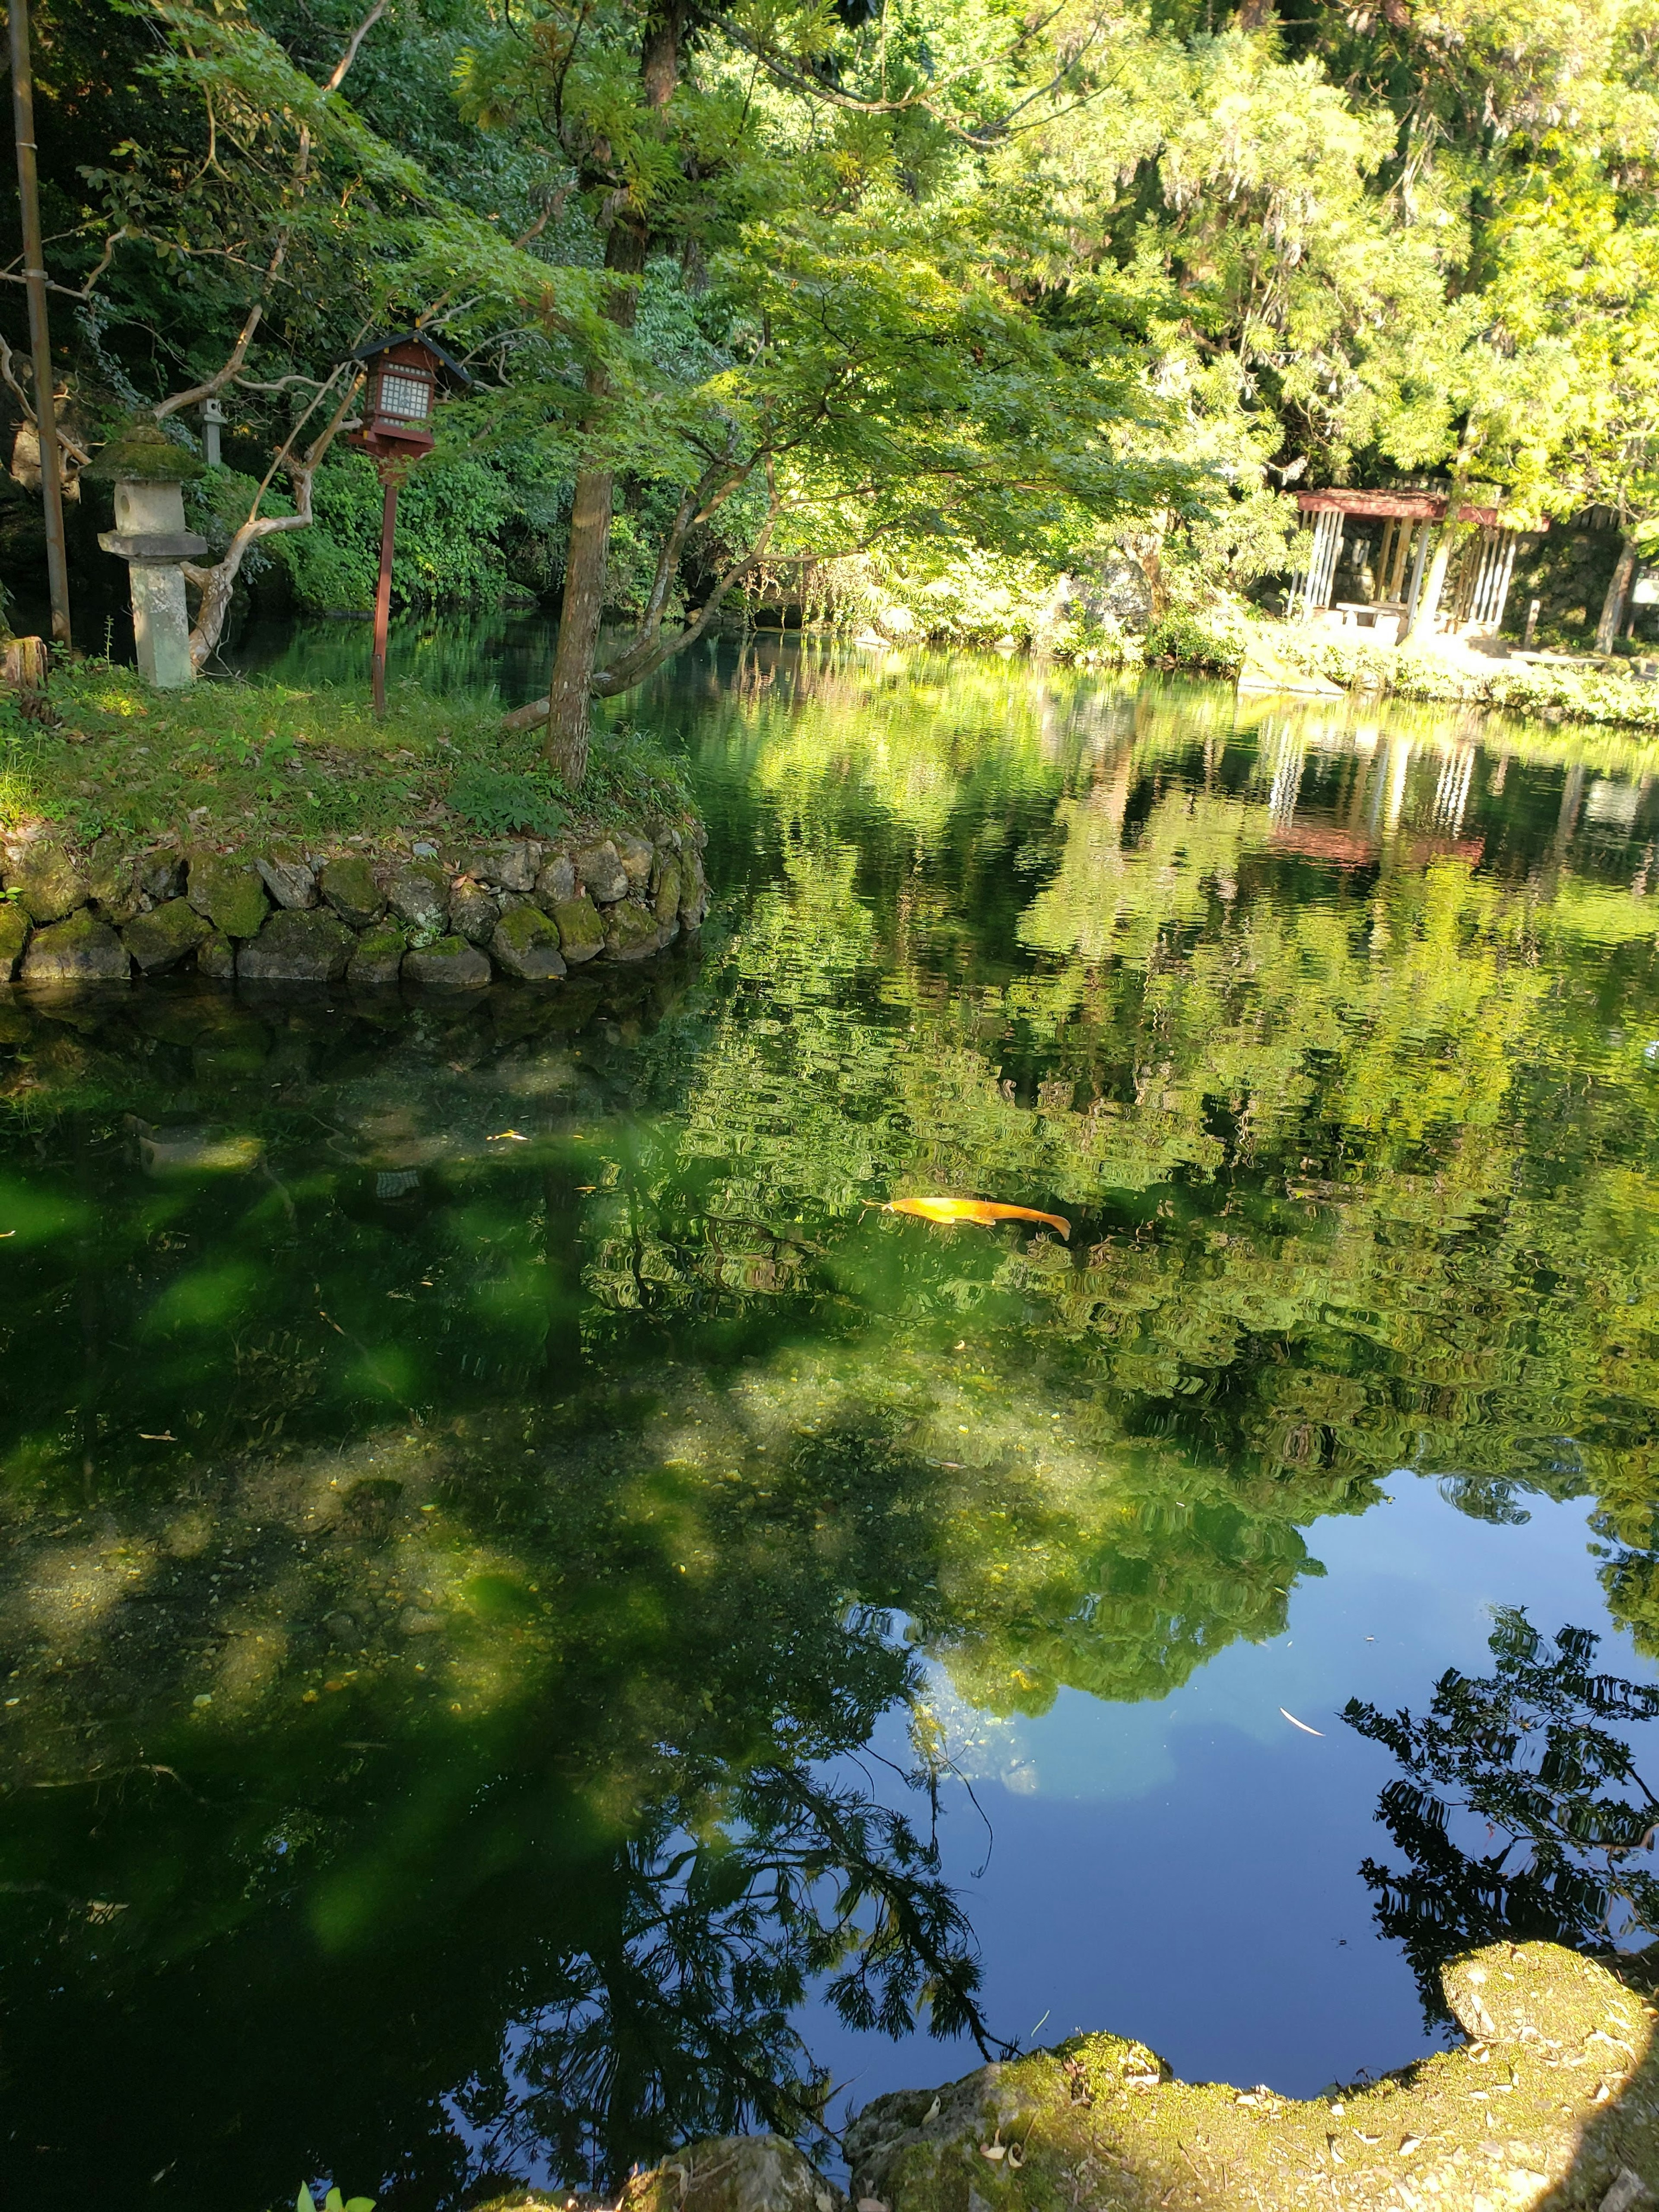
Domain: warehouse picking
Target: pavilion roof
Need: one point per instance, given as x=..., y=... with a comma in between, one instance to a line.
x=1418, y=506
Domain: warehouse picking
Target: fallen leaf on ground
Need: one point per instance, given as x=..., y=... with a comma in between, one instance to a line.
x=500, y=1134
x=984, y=1210
x=161, y=1436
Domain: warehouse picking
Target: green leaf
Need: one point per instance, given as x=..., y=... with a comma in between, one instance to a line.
x=335, y=2202
x=360, y=2204
x=305, y=2201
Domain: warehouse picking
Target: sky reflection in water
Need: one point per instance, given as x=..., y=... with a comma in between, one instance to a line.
x=449, y=1582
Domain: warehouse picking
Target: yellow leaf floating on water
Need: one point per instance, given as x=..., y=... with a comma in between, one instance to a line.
x=982, y=1209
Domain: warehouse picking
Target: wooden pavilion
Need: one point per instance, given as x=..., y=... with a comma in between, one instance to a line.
x=1386, y=536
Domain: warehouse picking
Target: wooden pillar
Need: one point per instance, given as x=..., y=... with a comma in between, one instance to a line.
x=383, y=589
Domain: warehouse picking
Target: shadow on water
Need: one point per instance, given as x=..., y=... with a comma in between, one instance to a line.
x=502, y=1540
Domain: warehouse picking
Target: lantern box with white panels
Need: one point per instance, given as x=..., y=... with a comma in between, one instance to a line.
x=404, y=373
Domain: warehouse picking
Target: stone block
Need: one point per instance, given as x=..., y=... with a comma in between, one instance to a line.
x=636, y=856
x=228, y=892
x=525, y=944
x=451, y=964
x=600, y=871
x=14, y=936
x=379, y=956
x=46, y=880
x=581, y=934
x=510, y=867
x=666, y=904
x=694, y=888
x=558, y=881
x=161, y=875
x=473, y=913
x=630, y=930
x=312, y=947
x=112, y=879
x=82, y=949
x=216, y=956
x=165, y=935
x=288, y=880
x=350, y=887
x=419, y=896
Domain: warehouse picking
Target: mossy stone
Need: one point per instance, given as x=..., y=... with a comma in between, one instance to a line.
x=14, y=936
x=228, y=892
x=288, y=878
x=419, y=896
x=581, y=934
x=112, y=883
x=216, y=956
x=165, y=935
x=667, y=900
x=527, y=945
x=451, y=964
x=350, y=887
x=379, y=956
x=144, y=453
x=82, y=949
x=298, y=948
x=630, y=931
x=47, y=882
x=472, y=913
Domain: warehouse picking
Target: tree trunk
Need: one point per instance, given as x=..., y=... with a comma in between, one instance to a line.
x=1613, y=607
x=570, y=686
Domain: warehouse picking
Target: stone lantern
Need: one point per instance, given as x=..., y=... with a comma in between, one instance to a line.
x=149, y=473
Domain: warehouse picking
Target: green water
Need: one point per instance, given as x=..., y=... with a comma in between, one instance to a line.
x=538, y=1621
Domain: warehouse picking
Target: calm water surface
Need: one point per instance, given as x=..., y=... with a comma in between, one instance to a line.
x=538, y=1622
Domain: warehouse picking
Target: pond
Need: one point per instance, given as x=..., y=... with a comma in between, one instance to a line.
x=539, y=1620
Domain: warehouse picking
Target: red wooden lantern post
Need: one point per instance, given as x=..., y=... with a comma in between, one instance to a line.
x=405, y=372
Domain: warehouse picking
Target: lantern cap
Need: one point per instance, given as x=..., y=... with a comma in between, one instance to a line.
x=441, y=354
x=141, y=452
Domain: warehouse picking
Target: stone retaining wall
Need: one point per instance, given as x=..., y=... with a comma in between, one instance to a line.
x=450, y=917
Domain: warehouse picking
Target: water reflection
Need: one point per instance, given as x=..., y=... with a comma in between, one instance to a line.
x=449, y=1572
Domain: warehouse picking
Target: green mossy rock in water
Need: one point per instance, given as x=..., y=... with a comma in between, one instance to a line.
x=298, y=948
x=216, y=956
x=46, y=880
x=379, y=956
x=350, y=887
x=451, y=964
x=82, y=949
x=630, y=931
x=1100, y=2124
x=14, y=936
x=165, y=935
x=581, y=934
x=527, y=945
x=228, y=893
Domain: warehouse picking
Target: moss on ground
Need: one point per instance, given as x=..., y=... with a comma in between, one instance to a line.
x=261, y=761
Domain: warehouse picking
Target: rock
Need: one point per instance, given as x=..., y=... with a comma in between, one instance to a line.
x=379, y=956
x=216, y=956
x=581, y=934
x=14, y=936
x=734, y=2174
x=161, y=876
x=82, y=949
x=602, y=873
x=451, y=964
x=666, y=904
x=165, y=935
x=227, y=892
x=112, y=878
x=312, y=947
x=1539, y=1995
x=694, y=888
x=636, y=856
x=419, y=896
x=350, y=887
x=44, y=881
x=510, y=867
x=289, y=882
x=525, y=944
x=630, y=930
x=413, y=1622
x=557, y=880
x=473, y=912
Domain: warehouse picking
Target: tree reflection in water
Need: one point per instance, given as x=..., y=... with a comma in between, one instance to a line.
x=1537, y=1753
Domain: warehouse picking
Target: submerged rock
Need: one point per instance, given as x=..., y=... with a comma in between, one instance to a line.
x=228, y=893
x=82, y=949
x=451, y=964
x=350, y=887
x=298, y=948
x=525, y=944
x=165, y=935
x=14, y=936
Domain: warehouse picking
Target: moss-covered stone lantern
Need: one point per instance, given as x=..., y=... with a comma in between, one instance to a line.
x=149, y=473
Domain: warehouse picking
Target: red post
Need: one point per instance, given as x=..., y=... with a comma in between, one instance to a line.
x=383, y=591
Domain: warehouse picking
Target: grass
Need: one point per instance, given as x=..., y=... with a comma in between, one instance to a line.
x=260, y=761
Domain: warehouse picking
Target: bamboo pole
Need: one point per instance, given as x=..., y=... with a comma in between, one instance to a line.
x=34, y=278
